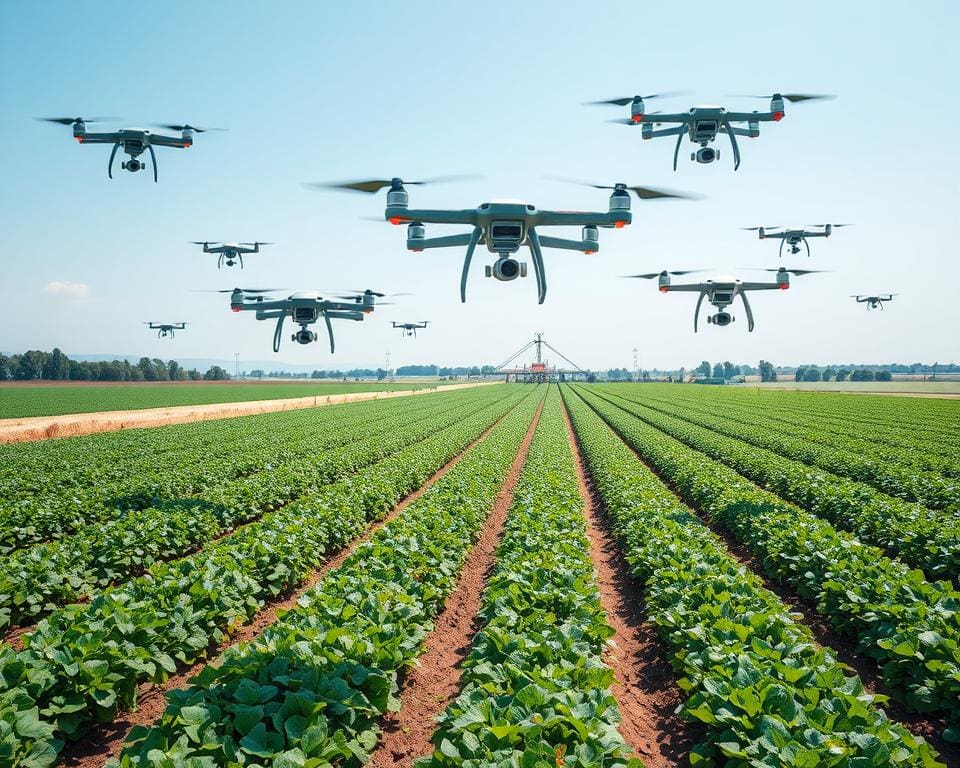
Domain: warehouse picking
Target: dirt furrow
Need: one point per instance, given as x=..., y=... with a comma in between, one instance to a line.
x=428, y=688
x=644, y=684
x=106, y=740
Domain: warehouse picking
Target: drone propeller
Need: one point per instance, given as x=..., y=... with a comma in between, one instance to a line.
x=354, y=294
x=240, y=290
x=622, y=102
x=256, y=242
x=829, y=225
x=754, y=229
x=72, y=120
x=793, y=98
x=186, y=127
x=651, y=275
x=372, y=186
x=797, y=272
x=644, y=193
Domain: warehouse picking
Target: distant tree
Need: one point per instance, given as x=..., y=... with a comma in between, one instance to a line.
x=4, y=368
x=828, y=374
x=811, y=374
x=800, y=373
x=381, y=374
x=703, y=369
x=717, y=372
x=843, y=374
x=883, y=376
x=487, y=370
x=30, y=365
x=730, y=370
x=767, y=371
x=591, y=378
x=216, y=373
x=147, y=368
x=163, y=373
x=194, y=375
x=56, y=366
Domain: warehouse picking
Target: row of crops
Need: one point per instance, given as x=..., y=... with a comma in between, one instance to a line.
x=205, y=552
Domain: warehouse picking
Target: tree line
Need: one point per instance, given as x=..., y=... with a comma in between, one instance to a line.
x=35, y=365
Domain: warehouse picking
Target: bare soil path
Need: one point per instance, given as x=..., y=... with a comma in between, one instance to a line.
x=435, y=681
x=106, y=740
x=70, y=425
x=644, y=684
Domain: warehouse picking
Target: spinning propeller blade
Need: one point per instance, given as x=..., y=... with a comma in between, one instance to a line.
x=831, y=225
x=623, y=101
x=797, y=272
x=793, y=98
x=256, y=242
x=754, y=229
x=372, y=186
x=72, y=120
x=186, y=127
x=651, y=275
x=644, y=193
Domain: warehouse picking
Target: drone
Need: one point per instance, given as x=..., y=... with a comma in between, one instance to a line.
x=795, y=236
x=304, y=308
x=722, y=292
x=230, y=253
x=502, y=226
x=133, y=140
x=165, y=330
x=702, y=124
x=874, y=302
x=410, y=329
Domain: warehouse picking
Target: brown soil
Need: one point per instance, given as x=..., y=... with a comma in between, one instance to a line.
x=70, y=425
x=930, y=727
x=105, y=741
x=430, y=686
x=644, y=684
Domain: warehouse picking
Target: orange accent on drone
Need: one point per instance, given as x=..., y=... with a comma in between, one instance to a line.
x=664, y=288
x=619, y=224
x=778, y=116
x=637, y=118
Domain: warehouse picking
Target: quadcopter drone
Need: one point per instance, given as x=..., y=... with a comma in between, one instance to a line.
x=702, y=124
x=722, y=292
x=304, y=308
x=795, y=236
x=874, y=302
x=230, y=252
x=410, y=329
x=502, y=226
x=165, y=330
x=133, y=140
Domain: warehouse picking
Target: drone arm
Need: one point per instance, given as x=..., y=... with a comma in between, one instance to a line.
x=696, y=312
x=169, y=141
x=582, y=219
x=439, y=242
x=277, y=331
x=326, y=319
x=746, y=306
x=471, y=247
x=678, y=130
x=533, y=240
x=113, y=154
x=153, y=159
x=733, y=143
x=676, y=153
x=429, y=216
x=568, y=245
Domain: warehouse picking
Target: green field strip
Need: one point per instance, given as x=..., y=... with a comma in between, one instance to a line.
x=36, y=580
x=84, y=663
x=922, y=538
x=535, y=688
x=767, y=693
x=313, y=688
x=908, y=625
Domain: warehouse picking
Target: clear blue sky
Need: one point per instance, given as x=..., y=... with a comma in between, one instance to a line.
x=333, y=90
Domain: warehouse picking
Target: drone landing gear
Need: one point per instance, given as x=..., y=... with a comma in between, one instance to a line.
x=536, y=254
x=696, y=311
x=746, y=306
x=733, y=143
x=471, y=247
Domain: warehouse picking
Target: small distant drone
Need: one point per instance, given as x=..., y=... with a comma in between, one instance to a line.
x=304, y=308
x=794, y=237
x=230, y=252
x=410, y=329
x=702, y=124
x=875, y=302
x=166, y=330
x=722, y=291
x=133, y=140
x=503, y=226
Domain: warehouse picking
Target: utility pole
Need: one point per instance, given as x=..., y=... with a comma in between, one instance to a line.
x=236, y=357
x=636, y=364
x=387, y=367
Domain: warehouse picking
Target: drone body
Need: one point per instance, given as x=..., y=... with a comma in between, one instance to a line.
x=795, y=236
x=702, y=124
x=410, y=329
x=133, y=141
x=874, y=302
x=230, y=253
x=503, y=227
x=722, y=292
x=166, y=330
x=304, y=308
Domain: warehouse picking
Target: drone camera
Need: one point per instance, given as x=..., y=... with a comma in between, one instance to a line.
x=506, y=269
x=705, y=155
x=303, y=336
x=133, y=165
x=506, y=236
x=721, y=318
x=304, y=315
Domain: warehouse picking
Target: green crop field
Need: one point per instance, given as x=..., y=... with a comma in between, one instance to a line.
x=24, y=400
x=790, y=564
x=908, y=386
